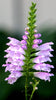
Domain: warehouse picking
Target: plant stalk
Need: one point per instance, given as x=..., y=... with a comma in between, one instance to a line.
x=26, y=89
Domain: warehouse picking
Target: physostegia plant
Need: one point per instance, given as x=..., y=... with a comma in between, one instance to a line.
x=28, y=57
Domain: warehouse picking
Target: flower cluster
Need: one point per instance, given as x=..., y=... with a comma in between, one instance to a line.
x=15, y=58
x=43, y=55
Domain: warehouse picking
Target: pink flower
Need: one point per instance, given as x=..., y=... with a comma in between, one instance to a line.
x=43, y=67
x=13, y=41
x=46, y=46
x=43, y=75
x=13, y=77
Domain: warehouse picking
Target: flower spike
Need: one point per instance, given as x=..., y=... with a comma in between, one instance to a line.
x=28, y=54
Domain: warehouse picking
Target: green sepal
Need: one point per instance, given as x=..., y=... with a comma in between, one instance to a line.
x=31, y=17
x=33, y=6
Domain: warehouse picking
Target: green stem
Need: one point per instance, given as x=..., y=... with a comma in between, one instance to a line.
x=26, y=88
x=34, y=89
x=32, y=94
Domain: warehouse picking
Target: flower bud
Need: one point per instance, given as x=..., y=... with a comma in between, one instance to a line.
x=35, y=31
x=34, y=46
x=37, y=35
x=37, y=41
x=26, y=33
x=24, y=37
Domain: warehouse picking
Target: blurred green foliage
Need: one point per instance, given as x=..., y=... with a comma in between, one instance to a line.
x=46, y=90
